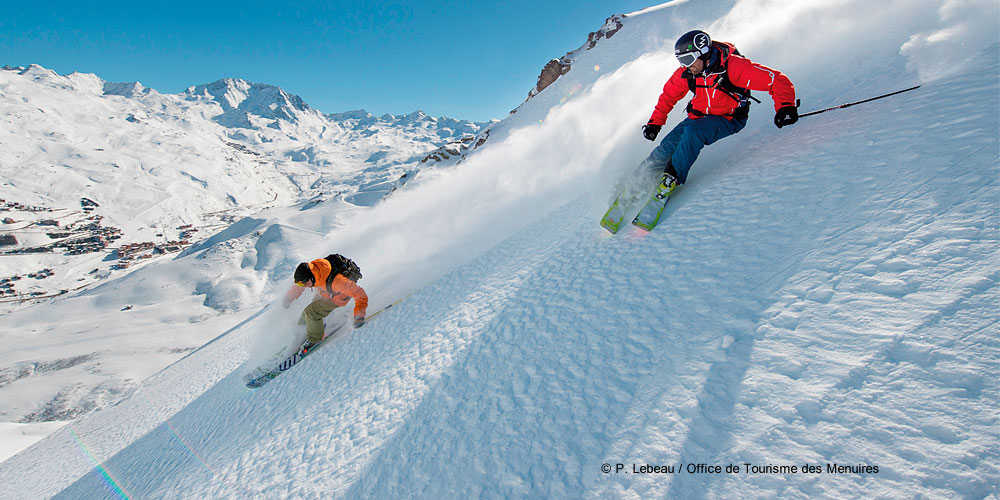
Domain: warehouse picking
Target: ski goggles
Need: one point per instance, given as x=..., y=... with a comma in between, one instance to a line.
x=301, y=283
x=688, y=58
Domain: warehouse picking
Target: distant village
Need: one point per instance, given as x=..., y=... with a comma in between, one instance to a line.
x=79, y=236
x=132, y=252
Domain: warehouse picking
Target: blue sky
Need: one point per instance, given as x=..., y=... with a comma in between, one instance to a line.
x=471, y=59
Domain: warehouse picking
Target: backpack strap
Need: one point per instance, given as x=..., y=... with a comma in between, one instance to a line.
x=335, y=269
x=343, y=266
x=723, y=84
x=729, y=88
x=329, y=284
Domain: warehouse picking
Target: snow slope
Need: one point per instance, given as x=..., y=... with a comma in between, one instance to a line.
x=824, y=294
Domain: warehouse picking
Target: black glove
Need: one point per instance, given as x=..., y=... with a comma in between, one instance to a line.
x=359, y=322
x=786, y=115
x=650, y=131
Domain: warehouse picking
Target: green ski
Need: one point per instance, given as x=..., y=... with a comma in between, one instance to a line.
x=614, y=216
x=630, y=193
x=651, y=212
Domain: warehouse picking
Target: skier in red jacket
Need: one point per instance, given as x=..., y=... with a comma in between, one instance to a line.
x=721, y=81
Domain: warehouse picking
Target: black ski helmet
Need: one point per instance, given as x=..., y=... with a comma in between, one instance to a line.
x=303, y=274
x=691, y=46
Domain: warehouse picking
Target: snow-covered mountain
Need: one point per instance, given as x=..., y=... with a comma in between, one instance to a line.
x=823, y=295
x=95, y=171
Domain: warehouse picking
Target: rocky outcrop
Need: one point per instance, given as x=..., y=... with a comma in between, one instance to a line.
x=611, y=26
x=457, y=149
x=451, y=149
x=558, y=67
x=550, y=73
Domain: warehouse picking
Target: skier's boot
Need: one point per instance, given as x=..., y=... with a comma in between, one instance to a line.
x=306, y=347
x=666, y=186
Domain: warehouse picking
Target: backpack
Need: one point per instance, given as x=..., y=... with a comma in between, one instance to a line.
x=342, y=265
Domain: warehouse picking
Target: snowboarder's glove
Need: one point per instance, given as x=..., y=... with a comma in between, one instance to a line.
x=359, y=322
x=650, y=131
x=786, y=115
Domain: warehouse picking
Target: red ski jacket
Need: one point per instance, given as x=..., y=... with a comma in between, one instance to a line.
x=709, y=99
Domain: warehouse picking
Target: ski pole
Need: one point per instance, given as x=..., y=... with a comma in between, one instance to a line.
x=857, y=102
x=384, y=308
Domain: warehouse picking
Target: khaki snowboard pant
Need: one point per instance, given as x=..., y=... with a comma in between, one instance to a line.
x=313, y=316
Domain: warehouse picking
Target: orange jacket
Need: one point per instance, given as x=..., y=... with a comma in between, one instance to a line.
x=709, y=100
x=339, y=289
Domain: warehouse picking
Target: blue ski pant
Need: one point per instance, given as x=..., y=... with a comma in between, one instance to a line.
x=683, y=144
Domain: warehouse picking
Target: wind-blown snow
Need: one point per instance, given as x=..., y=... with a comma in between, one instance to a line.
x=823, y=294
